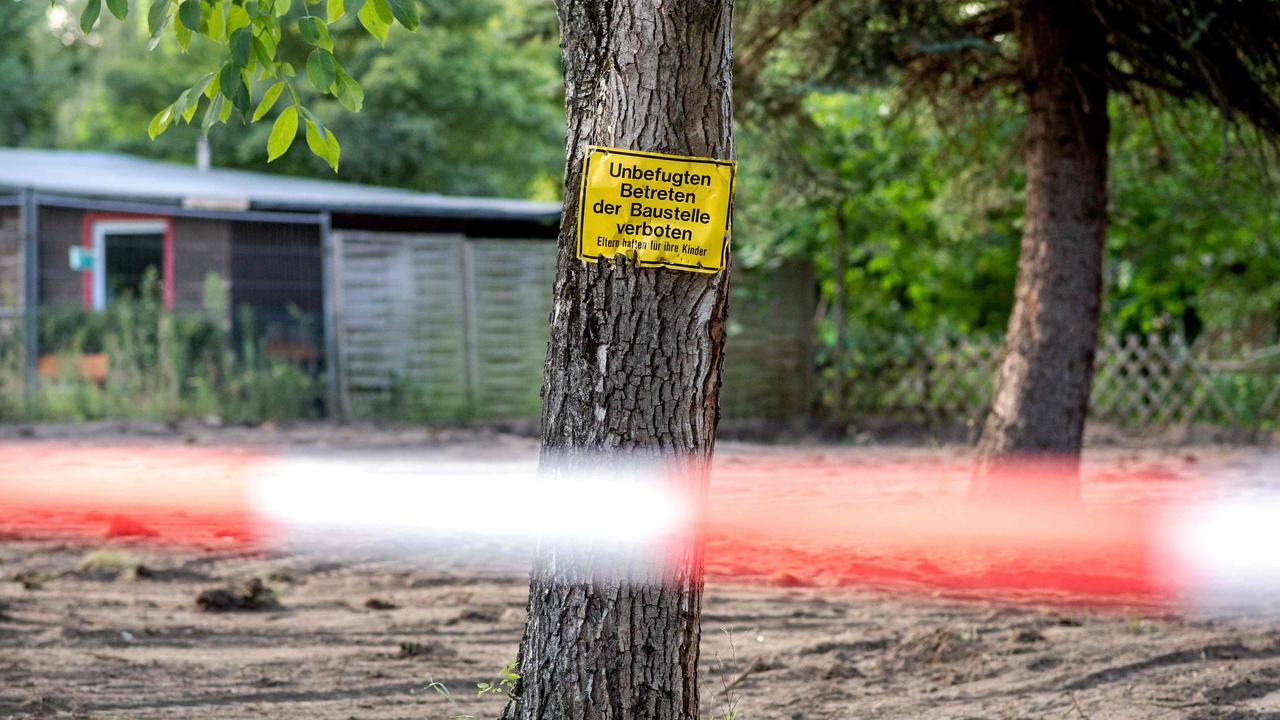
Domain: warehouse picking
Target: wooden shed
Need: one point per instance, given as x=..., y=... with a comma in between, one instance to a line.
x=414, y=305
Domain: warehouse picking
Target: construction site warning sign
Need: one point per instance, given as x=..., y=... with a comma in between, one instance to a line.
x=661, y=210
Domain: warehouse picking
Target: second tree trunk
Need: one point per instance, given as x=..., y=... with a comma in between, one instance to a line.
x=1045, y=370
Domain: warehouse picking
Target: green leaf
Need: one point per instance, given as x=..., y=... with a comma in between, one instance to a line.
x=405, y=12
x=183, y=36
x=269, y=38
x=190, y=112
x=322, y=70
x=323, y=144
x=335, y=150
x=313, y=30
x=334, y=11
x=353, y=6
x=283, y=131
x=211, y=113
x=189, y=14
x=153, y=43
x=350, y=94
x=119, y=8
x=372, y=21
x=268, y=100
x=282, y=7
x=90, y=15
x=214, y=87
x=265, y=57
x=315, y=139
x=202, y=84
x=216, y=24
x=183, y=101
x=160, y=122
x=156, y=17
x=241, y=41
x=189, y=102
x=286, y=69
x=233, y=87
x=237, y=18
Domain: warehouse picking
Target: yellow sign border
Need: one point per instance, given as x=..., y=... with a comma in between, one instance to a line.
x=582, y=207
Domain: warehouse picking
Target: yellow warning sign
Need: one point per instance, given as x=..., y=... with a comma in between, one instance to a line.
x=661, y=210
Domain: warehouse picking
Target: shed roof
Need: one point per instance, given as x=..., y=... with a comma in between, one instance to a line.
x=125, y=177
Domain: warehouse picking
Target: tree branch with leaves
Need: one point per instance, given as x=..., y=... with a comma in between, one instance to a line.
x=252, y=34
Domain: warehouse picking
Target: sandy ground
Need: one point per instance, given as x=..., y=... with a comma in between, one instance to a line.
x=114, y=641
x=84, y=644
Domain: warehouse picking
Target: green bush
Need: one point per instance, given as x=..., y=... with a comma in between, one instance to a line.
x=10, y=373
x=162, y=366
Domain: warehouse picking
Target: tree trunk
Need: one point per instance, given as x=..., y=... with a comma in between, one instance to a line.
x=632, y=373
x=1046, y=366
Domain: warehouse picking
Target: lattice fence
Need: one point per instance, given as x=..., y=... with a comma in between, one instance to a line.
x=1139, y=382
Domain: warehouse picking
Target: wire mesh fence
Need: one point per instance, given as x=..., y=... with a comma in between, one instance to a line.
x=170, y=317
x=1140, y=382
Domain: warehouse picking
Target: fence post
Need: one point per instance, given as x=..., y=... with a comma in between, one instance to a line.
x=471, y=354
x=329, y=284
x=30, y=296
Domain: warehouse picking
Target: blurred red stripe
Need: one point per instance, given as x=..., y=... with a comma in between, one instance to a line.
x=173, y=493
x=904, y=522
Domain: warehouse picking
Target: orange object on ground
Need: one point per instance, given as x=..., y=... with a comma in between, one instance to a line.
x=92, y=366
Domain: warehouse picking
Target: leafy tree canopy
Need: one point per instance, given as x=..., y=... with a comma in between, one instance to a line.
x=928, y=89
x=474, y=71
x=1223, y=52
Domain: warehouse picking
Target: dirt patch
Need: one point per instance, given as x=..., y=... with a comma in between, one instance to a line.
x=935, y=647
x=244, y=596
x=432, y=649
x=141, y=650
x=784, y=636
x=1257, y=685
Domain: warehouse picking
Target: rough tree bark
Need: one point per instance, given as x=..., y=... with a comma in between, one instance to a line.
x=633, y=369
x=1046, y=366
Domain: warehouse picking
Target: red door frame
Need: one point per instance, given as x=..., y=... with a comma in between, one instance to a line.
x=166, y=271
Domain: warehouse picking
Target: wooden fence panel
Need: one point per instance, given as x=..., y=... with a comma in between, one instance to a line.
x=510, y=284
x=447, y=327
x=11, y=272
x=401, y=339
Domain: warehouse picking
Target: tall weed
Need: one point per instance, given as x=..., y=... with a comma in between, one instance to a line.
x=162, y=366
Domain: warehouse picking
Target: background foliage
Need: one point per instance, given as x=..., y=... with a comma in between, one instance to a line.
x=922, y=199
x=468, y=104
x=162, y=366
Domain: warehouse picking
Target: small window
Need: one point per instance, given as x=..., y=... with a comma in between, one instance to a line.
x=123, y=252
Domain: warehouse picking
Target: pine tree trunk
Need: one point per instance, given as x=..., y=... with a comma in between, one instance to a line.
x=633, y=370
x=1042, y=384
